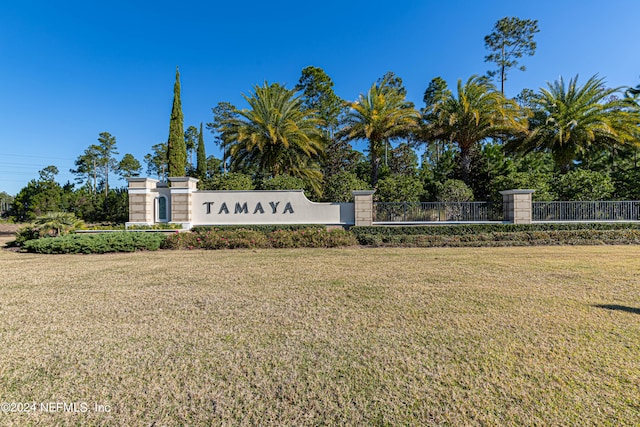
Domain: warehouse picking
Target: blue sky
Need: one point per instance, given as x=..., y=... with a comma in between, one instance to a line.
x=73, y=69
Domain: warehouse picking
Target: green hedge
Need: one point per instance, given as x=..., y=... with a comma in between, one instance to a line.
x=96, y=243
x=505, y=238
x=296, y=236
x=465, y=229
x=499, y=235
x=233, y=238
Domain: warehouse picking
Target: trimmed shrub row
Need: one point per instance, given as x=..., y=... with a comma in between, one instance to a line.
x=517, y=238
x=232, y=238
x=465, y=229
x=96, y=243
x=318, y=237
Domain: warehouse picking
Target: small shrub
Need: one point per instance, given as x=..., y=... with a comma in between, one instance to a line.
x=454, y=190
x=26, y=233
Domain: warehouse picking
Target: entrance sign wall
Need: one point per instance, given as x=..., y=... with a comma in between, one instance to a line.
x=151, y=202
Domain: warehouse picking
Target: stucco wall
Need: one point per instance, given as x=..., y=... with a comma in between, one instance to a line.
x=265, y=207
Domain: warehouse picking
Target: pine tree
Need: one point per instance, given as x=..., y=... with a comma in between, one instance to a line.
x=177, y=149
x=511, y=39
x=106, y=151
x=201, y=157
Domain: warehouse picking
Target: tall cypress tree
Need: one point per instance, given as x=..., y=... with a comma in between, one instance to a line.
x=177, y=149
x=201, y=159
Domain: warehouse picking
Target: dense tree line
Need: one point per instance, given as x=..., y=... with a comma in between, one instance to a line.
x=93, y=200
x=568, y=141
x=44, y=195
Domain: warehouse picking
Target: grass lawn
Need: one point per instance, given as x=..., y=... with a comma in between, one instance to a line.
x=464, y=336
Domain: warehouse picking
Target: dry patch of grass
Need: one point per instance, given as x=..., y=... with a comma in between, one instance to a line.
x=468, y=336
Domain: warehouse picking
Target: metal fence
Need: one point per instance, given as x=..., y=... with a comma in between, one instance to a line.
x=437, y=212
x=586, y=211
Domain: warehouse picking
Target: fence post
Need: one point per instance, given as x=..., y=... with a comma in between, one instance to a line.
x=517, y=206
x=181, y=190
x=363, y=205
x=141, y=196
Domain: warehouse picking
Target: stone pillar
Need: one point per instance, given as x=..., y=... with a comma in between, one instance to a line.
x=517, y=206
x=363, y=205
x=141, y=198
x=181, y=190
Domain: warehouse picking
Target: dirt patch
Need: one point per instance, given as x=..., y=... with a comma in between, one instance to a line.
x=8, y=229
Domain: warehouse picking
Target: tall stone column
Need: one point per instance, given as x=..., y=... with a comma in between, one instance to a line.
x=181, y=191
x=141, y=199
x=363, y=205
x=517, y=206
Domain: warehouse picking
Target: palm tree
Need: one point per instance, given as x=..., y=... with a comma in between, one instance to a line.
x=570, y=119
x=380, y=116
x=633, y=92
x=477, y=113
x=57, y=223
x=276, y=134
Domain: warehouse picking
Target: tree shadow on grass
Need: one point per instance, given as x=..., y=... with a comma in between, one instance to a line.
x=617, y=307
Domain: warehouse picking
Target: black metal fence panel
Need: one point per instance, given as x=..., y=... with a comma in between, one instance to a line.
x=587, y=211
x=437, y=212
